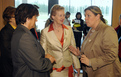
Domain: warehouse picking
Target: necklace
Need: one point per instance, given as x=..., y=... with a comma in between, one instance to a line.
x=57, y=30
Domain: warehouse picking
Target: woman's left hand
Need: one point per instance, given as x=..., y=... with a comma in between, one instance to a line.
x=84, y=60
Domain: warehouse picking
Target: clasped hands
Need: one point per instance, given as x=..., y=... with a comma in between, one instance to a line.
x=77, y=52
x=50, y=57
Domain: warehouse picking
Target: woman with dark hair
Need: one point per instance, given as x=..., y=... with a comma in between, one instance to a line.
x=99, y=51
x=5, y=41
x=29, y=59
x=78, y=28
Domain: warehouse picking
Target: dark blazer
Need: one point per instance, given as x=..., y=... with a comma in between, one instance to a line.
x=5, y=44
x=28, y=55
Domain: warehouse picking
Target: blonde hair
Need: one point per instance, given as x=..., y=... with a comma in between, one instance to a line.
x=55, y=8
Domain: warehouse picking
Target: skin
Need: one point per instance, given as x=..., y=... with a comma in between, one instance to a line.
x=78, y=16
x=58, y=20
x=67, y=16
x=30, y=23
x=12, y=21
x=91, y=21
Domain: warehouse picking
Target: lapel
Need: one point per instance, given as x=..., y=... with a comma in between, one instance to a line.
x=53, y=39
x=65, y=37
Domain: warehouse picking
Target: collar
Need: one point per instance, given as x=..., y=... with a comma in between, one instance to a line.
x=14, y=27
x=51, y=27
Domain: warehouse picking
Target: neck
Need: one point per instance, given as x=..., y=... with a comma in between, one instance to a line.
x=26, y=26
x=13, y=24
x=55, y=25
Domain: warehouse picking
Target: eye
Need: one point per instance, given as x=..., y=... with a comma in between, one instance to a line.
x=88, y=15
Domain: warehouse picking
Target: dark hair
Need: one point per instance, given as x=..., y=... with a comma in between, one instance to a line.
x=78, y=13
x=36, y=6
x=55, y=8
x=9, y=13
x=25, y=11
x=96, y=10
x=68, y=13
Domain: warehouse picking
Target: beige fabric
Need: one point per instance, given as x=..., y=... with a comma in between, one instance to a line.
x=52, y=45
x=102, y=50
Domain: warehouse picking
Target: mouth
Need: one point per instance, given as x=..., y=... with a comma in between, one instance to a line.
x=61, y=20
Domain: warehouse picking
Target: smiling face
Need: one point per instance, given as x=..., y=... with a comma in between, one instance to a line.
x=59, y=17
x=91, y=19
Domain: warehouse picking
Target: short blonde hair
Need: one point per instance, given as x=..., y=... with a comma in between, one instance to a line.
x=55, y=8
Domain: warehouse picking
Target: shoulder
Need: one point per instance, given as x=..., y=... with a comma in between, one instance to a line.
x=45, y=30
x=6, y=29
x=68, y=27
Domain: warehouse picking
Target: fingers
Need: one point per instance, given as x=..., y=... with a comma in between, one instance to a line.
x=84, y=60
x=78, y=70
x=50, y=57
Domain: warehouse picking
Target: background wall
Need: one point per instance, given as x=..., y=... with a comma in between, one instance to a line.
x=115, y=17
x=116, y=12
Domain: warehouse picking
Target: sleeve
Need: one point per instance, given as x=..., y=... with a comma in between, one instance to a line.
x=109, y=48
x=75, y=58
x=43, y=41
x=33, y=54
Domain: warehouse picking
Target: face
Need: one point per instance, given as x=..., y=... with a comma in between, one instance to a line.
x=12, y=21
x=68, y=16
x=78, y=16
x=59, y=17
x=32, y=22
x=90, y=18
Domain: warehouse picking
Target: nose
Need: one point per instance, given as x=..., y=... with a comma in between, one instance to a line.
x=36, y=20
x=85, y=17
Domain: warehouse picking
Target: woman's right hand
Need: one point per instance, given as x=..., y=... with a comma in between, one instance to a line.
x=50, y=57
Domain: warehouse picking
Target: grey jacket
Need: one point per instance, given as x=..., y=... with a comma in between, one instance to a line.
x=28, y=56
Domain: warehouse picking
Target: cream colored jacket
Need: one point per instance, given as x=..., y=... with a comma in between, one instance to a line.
x=52, y=45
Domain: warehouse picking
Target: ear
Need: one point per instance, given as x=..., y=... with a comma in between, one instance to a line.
x=53, y=17
x=98, y=16
x=27, y=19
x=10, y=19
